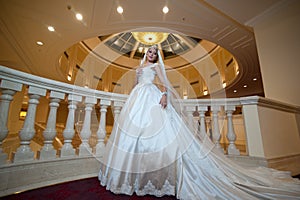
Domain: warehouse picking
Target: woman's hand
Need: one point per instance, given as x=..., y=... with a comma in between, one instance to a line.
x=163, y=101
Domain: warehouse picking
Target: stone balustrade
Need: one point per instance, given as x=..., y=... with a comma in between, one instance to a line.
x=215, y=117
x=12, y=81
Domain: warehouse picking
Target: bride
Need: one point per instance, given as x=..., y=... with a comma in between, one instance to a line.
x=153, y=151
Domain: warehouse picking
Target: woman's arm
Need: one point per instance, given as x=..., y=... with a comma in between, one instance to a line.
x=138, y=72
x=163, y=100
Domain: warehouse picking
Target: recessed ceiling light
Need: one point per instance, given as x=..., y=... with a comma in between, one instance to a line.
x=39, y=43
x=79, y=16
x=165, y=9
x=245, y=86
x=120, y=10
x=254, y=79
x=235, y=91
x=51, y=28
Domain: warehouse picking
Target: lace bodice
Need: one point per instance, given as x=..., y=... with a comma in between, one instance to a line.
x=146, y=74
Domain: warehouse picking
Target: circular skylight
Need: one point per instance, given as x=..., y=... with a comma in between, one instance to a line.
x=174, y=45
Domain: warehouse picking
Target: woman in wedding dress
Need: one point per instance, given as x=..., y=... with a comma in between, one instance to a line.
x=152, y=150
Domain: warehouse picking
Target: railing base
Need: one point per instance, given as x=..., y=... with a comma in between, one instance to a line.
x=17, y=177
x=3, y=158
x=286, y=163
x=248, y=161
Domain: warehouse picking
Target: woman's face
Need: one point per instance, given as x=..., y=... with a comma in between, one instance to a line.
x=152, y=55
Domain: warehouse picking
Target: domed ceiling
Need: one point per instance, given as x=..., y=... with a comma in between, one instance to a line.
x=135, y=43
x=194, y=66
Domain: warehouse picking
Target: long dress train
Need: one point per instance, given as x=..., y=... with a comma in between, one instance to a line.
x=152, y=151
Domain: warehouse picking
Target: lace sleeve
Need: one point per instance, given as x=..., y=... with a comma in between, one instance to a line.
x=138, y=73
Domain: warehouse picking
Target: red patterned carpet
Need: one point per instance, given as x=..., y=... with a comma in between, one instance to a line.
x=86, y=189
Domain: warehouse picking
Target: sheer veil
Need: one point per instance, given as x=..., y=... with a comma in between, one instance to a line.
x=164, y=149
x=175, y=101
x=205, y=146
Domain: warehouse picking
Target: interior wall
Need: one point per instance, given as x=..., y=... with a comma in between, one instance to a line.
x=277, y=37
x=279, y=133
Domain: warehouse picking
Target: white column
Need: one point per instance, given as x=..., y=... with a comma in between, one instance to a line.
x=48, y=152
x=67, y=150
x=190, y=111
x=101, y=133
x=202, y=110
x=231, y=136
x=84, y=148
x=8, y=90
x=24, y=152
x=208, y=127
x=117, y=106
x=6, y=98
x=215, y=127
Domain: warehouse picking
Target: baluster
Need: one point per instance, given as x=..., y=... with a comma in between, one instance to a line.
x=101, y=133
x=215, y=128
x=208, y=127
x=69, y=132
x=48, y=152
x=117, y=109
x=24, y=152
x=231, y=136
x=202, y=110
x=8, y=91
x=6, y=98
x=190, y=111
x=84, y=148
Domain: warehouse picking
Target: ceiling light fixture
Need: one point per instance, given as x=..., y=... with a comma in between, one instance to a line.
x=165, y=9
x=245, y=86
x=205, y=92
x=254, y=79
x=224, y=84
x=145, y=49
x=140, y=49
x=79, y=16
x=69, y=77
x=120, y=10
x=39, y=43
x=235, y=91
x=51, y=28
x=150, y=38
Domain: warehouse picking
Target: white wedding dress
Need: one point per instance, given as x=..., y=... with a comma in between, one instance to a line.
x=152, y=151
